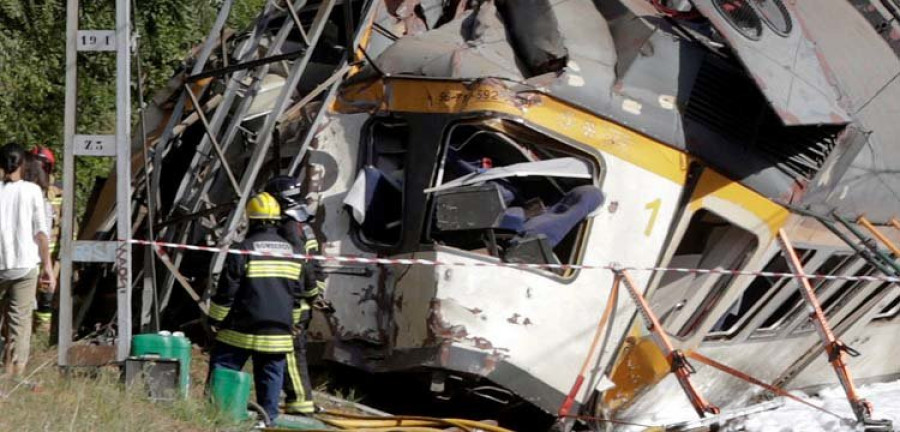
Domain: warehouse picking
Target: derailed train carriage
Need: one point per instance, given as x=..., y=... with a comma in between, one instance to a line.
x=622, y=132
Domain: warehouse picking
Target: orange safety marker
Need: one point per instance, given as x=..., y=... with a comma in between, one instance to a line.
x=833, y=347
x=877, y=234
x=677, y=361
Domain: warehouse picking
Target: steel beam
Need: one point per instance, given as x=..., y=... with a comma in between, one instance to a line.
x=261, y=150
x=192, y=201
x=218, y=118
x=68, y=210
x=244, y=66
x=368, y=15
x=123, y=174
x=231, y=88
x=212, y=138
x=215, y=33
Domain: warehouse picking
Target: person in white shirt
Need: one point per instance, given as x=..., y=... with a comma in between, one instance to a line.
x=24, y=243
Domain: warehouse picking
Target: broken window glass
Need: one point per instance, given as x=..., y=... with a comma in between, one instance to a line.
x=512, y=194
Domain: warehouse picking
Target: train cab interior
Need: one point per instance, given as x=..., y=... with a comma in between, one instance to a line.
x=497, y=189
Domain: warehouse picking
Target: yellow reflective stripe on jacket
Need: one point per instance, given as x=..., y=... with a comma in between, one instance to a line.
x=313, y=292
x=283, y=269
x=218, y=312
x=312, y=246
x=297, y=312
x=260, y=343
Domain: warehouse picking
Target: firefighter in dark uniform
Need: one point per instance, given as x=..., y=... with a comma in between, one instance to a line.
x=294, y=227
x=258, y=302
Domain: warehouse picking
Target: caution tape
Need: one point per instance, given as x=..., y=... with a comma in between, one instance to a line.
x=521, y=266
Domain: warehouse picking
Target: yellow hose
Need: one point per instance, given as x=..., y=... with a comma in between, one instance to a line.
x=384, y=429
x=482, y=425
x=396, y=422
x=373, y=421
x=345, y=424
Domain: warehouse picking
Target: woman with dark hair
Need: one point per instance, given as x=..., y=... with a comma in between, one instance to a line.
x=34, y=172
x=24, y=243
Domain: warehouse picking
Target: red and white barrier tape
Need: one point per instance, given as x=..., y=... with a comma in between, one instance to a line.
x=434, y=263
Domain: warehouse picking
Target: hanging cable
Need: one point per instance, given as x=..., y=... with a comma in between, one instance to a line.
x=149, y=260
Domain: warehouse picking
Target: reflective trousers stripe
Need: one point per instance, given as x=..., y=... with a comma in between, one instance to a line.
x=43, y=317
x=296, y=380
x=305, y=407
x=261, y=343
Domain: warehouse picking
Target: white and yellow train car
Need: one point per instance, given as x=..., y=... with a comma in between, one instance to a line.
x=699, y=163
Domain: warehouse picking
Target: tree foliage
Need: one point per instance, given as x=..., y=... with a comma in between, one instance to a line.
x=32, y=66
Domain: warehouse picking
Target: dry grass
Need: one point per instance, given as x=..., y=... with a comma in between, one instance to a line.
x=95, y=400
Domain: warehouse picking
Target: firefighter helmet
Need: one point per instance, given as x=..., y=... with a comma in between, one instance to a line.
x=263, y=207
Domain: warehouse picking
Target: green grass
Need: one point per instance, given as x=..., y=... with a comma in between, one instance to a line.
x=96, y=400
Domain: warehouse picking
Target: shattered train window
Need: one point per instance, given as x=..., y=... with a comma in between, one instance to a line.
x=376, y=197
x=521, y=197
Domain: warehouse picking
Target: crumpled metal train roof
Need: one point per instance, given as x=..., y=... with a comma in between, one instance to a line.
x=629, y=63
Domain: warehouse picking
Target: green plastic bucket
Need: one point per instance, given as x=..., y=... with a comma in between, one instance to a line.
x=167, y=346
x=230, y=392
